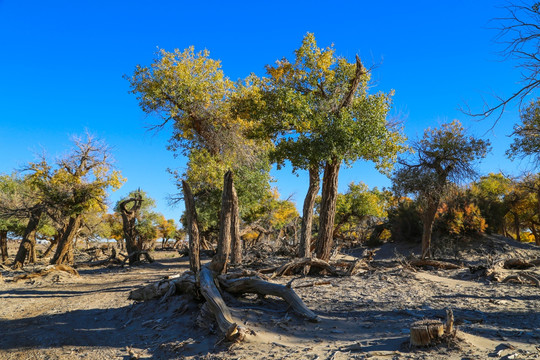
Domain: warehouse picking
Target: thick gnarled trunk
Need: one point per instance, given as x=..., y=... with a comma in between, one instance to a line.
x=64, y=249
x=328, y=209
x=29, y=239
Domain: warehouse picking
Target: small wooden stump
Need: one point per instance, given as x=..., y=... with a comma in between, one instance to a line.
x=424, y=332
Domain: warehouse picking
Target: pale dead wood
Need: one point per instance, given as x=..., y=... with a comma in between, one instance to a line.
x=258, y=286
x=425, y=332
x=522, y=278
x=449, y=326
x=217, y=306
x=183, y=284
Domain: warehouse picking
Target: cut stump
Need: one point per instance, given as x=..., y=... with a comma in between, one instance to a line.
x=425, y=332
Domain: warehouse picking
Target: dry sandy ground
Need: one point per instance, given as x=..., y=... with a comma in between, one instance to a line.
x=368, y=315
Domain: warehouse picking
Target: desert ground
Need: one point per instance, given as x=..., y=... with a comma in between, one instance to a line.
x=364, y=316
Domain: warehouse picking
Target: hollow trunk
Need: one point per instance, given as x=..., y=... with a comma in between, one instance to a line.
x=220, y=260
x=129, y=220
x=64, y=250
x=192, y=228
x=29, y=238
x=3, y=245
x=428, y=217
x=236, y=256
x=328, y=209
x=307, y=213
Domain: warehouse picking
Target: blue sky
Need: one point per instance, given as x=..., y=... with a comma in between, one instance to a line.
x=62, y=62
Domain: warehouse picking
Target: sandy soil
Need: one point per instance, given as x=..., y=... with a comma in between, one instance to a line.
x=60, y=316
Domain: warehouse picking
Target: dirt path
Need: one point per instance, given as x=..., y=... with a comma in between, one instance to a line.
x=365, y=316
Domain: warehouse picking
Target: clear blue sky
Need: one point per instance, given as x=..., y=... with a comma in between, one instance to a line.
x=61, y=67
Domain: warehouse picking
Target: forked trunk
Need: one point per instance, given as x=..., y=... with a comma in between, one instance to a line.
x=328, y=209
x=29, y=238
x=192, y=228
x=307, y=213
x=64, y=250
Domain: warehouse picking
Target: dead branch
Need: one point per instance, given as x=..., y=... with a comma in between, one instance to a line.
x=258, y=286
x=46, y=271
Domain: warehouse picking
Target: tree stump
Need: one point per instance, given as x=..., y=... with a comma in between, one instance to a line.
x=424, y=332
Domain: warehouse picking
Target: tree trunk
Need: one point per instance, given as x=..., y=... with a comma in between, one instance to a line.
x=3, y=245
x=427, y=221
x=220, y=260
x=192, y=228
x=307, y=214
x=29, y=238
x=64, y=250
x=129, y=220
x=328, y=209
x=236, y=256
x=534, y=230
x=54, y=241
x=517, y=227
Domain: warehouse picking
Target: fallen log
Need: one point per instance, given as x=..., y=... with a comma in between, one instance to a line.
x=181, y=284
x=519, y=264
x=434, y=263
x=522, y=278
x=290, y=267
x=258, y=286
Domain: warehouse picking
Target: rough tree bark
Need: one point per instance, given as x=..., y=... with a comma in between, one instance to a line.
x=29, y=238
x=307, y=215
x=328, y=209
x=129, y=221
x=192, y=228
x=54, y=241
x=236, y=256
x=3, y=245
x=220, y=260
x=64, y=249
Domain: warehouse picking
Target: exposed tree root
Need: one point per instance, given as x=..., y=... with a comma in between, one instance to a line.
x=43, y=272
x=258, y=286
x=234, y=283
x=290, y=268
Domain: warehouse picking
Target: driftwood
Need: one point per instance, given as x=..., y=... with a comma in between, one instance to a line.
x=182, y=284
x=434, y=263
x=331, y=268
x=258, y=286
x=217, y=306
